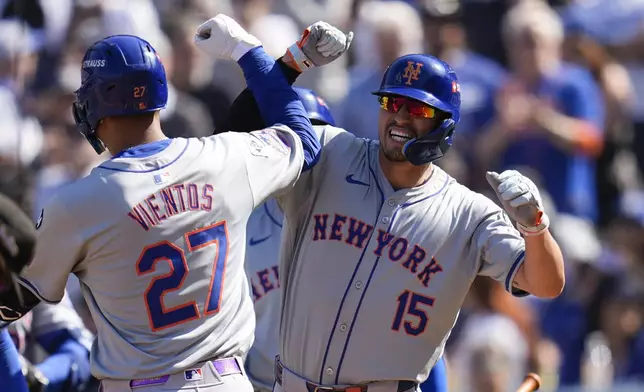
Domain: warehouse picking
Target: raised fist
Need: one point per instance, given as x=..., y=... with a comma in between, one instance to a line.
x=320, y=44
x=521, y=200
x=222, y=37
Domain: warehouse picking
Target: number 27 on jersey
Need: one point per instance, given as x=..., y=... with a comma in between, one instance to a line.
x=160, y=317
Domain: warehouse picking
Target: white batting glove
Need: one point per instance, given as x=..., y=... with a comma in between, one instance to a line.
x=320, y=44
x=521, y=200
x=222, y=37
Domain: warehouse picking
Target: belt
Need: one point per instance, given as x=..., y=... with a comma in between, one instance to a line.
x=313, y=387
x=224, y=367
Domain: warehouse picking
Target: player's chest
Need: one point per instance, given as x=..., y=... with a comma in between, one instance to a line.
x=410, y=243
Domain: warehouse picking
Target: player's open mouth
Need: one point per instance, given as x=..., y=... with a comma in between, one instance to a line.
x=400, y=135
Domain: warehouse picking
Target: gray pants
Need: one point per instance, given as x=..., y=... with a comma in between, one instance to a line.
x=291, y=382
x=207, y=376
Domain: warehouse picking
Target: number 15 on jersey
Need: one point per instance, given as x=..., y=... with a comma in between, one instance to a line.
x=160, y=317
x=414, y=306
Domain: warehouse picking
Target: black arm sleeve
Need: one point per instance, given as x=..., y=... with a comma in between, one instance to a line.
x=243, y=115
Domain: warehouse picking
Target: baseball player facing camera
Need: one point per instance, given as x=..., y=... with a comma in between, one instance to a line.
x=156, y=234
x=380, y=246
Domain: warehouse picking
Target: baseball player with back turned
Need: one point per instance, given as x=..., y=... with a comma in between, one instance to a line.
x=157, y=234
x=380, y=246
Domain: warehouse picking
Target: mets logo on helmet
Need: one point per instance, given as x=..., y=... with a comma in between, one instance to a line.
x=412, y=72
x=321, y=102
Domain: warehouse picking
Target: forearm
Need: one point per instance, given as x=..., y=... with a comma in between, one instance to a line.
x=244, y=115
x=493, y=140
x=629, y=51
x=276, y=100
x=542, y=272
x=571, y=133
x=290, y=73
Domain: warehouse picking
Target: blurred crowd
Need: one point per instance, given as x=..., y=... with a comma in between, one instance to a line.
x=554, y=89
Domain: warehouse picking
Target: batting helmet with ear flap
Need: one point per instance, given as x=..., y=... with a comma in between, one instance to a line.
x=121, y=75
x=431, y=81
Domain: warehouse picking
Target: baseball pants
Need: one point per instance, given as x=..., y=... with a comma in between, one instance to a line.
x=221, y=375
x=287, y=381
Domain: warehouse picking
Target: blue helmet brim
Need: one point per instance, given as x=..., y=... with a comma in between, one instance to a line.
x=418, y=95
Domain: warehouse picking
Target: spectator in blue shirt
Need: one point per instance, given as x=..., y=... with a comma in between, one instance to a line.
x=387, y=30
x=550, y=114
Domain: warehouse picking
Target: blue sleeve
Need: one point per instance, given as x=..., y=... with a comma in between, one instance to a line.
x=437, y=380
x=582, y=99
x=277, y=102
x=67, y=367
x=11, y=377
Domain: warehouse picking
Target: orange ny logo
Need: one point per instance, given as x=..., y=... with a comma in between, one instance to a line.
x=411, y=72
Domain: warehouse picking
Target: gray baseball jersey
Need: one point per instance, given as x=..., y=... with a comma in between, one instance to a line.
x=372, y=277
x=156, y=236
x=262, y=251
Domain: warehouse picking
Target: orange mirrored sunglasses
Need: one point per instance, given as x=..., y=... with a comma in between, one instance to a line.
x=415, y=108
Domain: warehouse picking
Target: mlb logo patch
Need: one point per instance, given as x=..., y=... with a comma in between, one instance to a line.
x=267, y=137
x=193, y=374
x=161, y=178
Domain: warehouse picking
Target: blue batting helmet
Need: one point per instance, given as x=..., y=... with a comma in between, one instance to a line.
x=429, y=80
x=315, y=106
x=121, y=75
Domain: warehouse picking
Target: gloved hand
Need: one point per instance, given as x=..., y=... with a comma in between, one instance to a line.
x=36, y=381
x=320, y=44
x=521, y=200
x=222, y=37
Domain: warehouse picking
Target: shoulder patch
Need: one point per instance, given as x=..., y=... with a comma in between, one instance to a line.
x=267, y=138
x=39, y=221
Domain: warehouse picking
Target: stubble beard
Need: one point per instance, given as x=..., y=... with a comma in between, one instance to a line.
x=393, y=155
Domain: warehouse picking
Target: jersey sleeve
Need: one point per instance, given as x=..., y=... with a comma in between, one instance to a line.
x=273, y=159
x=58, y=249
x=336, y=144
x=500, y=247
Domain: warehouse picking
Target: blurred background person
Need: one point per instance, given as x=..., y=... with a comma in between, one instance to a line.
x=549, y=114
x=493, y=349
x=480, y=79
x=384, y=31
